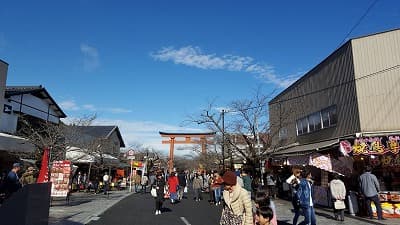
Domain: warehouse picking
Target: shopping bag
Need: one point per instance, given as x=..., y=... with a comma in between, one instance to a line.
x=153, y=192
x=229, y=218
x=185, y=190
x=339, y=204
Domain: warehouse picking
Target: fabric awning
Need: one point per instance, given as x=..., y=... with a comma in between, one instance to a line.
x=323, y=162
x=78, y=155
x=12, y=143
x=304, y=149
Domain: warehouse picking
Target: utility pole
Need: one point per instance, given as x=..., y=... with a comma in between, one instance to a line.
x=259, y=153
x=223, y=139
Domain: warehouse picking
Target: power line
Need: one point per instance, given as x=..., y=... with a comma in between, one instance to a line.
x=358, y=22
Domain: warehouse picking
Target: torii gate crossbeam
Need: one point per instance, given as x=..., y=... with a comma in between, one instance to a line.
x=185, y=138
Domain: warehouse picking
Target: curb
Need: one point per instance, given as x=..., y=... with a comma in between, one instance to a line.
x=95, y=216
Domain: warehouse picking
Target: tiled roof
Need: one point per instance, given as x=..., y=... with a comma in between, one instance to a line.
x=37, y=91
x=102, y=132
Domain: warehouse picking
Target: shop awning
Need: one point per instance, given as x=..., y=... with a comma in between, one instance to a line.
x=323, y=162
x=12, y=143
x=77, y=155
x=304, y=149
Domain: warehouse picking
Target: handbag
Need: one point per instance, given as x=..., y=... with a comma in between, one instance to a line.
x=229, y=218
x=185, y=190
x=339, y=204
x=153, y=192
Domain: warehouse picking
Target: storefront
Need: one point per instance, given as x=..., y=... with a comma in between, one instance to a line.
x=382, y=153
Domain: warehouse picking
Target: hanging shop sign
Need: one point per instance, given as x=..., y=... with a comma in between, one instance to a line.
x=385, y=160
x=371, y=146
x=137, y=164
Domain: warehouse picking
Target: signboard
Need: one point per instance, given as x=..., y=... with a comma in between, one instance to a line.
x=60, y=177
x=130, y=154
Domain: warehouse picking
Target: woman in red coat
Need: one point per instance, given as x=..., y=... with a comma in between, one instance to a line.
x=173, y=187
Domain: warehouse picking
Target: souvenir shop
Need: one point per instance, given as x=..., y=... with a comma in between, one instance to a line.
x=382, y=153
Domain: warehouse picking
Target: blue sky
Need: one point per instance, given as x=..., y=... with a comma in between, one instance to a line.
x=146, y=65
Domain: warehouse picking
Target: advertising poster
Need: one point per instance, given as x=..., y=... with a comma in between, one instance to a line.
x=60, y=177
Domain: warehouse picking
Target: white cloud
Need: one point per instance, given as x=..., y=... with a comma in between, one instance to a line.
x=119, y=110
x=91, y=57
x=69, y=105
x=89, y=107
x=194, y=56
x=73, y=106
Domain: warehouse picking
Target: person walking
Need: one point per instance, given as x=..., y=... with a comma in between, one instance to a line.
x=172, y=187
x=338, y=193
x=293, y=182
x=144, y=182
x=246, y=181
x=197, y=186
x=305, y=196
x=237, y=208
x=159, y=184
x=271, y=184
x=137, y=180
x=106, y=180
x=369, y=187
x=182, y=184
x=216, y=187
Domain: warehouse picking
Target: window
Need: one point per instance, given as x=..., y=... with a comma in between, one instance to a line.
x=302, y=126
x=282, y=133
x=329, y=117
x=316, y=121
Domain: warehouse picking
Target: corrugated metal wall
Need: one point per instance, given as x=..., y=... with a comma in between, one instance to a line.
x=329, y=83
x=377, y=74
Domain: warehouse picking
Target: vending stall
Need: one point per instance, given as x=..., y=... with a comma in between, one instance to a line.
x=382, y=153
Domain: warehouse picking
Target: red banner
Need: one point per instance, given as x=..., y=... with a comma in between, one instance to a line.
x=44, y=168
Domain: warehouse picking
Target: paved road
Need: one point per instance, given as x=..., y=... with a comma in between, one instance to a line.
x=138, y=209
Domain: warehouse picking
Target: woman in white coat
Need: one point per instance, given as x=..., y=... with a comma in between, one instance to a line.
x=338, y=192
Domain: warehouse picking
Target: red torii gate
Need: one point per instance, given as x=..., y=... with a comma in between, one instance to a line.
x=185, y=138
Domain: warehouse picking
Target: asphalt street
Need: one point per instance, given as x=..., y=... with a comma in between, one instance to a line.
x=138, y=209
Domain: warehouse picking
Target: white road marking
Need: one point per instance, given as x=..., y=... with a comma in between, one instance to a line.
x=185, y=220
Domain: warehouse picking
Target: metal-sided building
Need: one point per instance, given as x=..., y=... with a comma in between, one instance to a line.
x=343, y=111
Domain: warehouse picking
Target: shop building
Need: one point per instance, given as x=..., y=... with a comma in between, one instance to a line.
x=343, y=114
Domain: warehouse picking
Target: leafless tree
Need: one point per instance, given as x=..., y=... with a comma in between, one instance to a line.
x=244, y=122
x=43, y=134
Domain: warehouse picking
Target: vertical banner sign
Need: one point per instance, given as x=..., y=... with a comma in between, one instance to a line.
x=60, y=177
x=130, y=155
x=44, y=168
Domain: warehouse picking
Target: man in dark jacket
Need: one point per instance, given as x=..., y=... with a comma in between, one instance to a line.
x=11, y=182
x=182, y=184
